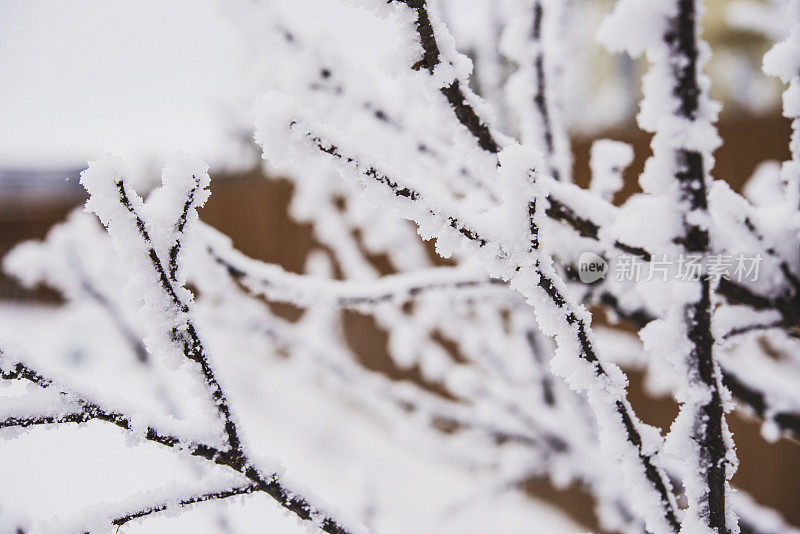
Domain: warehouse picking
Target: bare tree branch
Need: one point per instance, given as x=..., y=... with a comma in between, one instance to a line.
x=186, y=501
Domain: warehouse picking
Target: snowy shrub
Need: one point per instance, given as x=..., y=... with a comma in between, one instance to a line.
x=514, y=380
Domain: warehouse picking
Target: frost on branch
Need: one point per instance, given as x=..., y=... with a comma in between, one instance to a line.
x=781, y=61
x=677, y=109
x=498, y=368
x=149, y=237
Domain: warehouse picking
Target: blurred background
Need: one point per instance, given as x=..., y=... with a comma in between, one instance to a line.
x=148, y=79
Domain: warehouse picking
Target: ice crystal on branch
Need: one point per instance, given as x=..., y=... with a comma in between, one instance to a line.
x=499, y=370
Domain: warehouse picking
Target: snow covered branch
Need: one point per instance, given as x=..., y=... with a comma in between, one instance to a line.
x=284, y=132
x=89, y=411
x=676, y=102
x=122, y=211
x=171, y=336
x=532, y=42
x=444, y=63
x=276, y=284
x=187, y=501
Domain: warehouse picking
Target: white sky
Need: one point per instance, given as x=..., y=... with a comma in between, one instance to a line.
x=86, y=77
x=146, y=79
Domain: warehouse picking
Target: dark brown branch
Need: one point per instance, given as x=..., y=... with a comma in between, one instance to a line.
x=682, y=41
x=455, y=95
x=90, y=411
x=113, y=313
x=230, y=458
x=24, y=422
x=656, y=476
x=756, y=327
x=211, y=496
x=788, y=305
x=193, y=349
x=787, y=421
x=746, y=394
x=396, y=189
x=548, y=392
x=544, y=441
x=328, y=82
x=560, y=211
x=771, y=252
x=586, y=351
x=708, y=430
x=254, y=281
x=180, y=225
x=188, y=338
x=540, y=99
x=21, y=372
